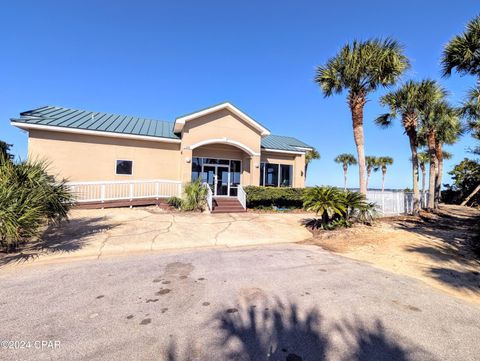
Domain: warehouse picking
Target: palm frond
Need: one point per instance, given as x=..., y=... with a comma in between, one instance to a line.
x=462, y=53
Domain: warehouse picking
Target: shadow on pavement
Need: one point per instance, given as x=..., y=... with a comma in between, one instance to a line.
x=66, y=237
x=283, y=333
x=466, y=280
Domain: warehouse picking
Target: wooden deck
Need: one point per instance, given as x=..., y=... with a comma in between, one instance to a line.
x=161, y=202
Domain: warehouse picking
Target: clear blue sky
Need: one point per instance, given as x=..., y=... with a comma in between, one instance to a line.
x=161, y=59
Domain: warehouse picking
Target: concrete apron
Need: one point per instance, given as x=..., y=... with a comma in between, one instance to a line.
x=98, y=233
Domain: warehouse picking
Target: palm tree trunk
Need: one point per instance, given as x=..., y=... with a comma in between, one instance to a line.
x=424, y=176
x=369, y=171
x=306, y=168
x=384, y=173
x=410, y=125
x=416, y=192
x=433, y=169
x=356, y=103
x=345, y=169
x=438, y=177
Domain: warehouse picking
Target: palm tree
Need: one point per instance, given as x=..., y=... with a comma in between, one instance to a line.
x=372, y=164
x=4, y=150
x=346, y=159
x=448, y=131
x=431, y=121
x=462, y=53
x=408, y=102
x=470, y=110
x=361, y=68
x=383, y=162
x=447, y=128
x=309, y=156
x=423, y=159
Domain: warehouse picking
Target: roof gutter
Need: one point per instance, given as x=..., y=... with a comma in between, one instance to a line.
x=27, y=126
x=281, y=151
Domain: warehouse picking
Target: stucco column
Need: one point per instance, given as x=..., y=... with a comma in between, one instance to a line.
x=186, y=166
x=255, y=170
x=299, y=171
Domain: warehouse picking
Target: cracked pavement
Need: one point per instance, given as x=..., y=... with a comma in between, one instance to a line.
x=97, y=233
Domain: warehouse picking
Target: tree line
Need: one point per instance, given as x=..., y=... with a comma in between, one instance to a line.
x=422, y=106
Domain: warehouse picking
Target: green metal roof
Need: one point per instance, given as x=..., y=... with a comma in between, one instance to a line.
x=280, y=142
x=102, y=122
x=125, y=124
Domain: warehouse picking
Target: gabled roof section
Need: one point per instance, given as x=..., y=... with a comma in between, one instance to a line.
x=87, y=122
x=180, y=121
x=284, y=143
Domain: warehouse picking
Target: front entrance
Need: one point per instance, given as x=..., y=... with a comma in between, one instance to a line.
x=217, y=178
x=222, y=175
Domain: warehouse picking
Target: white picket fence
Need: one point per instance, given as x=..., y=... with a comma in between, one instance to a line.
x=392, y=203
x=124, y=190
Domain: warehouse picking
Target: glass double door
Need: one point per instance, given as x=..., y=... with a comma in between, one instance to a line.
x=217, y=176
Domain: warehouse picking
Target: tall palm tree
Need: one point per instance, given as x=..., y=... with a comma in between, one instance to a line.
x=448, y=131
x=462, y=54
x=431, y=121
x=309, y=156
x=346, y=159
x=423, y=159
x=372, y=164
x=361, y=68
x=408, y=102
x=470, y=110
x=383, y=162
x=445, y=123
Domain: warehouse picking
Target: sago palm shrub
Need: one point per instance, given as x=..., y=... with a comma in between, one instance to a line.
x=336, y=208
x=30, y=198
x=194, y=196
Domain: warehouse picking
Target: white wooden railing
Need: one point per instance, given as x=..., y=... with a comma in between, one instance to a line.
x=121, y=190
x=242, y=196
x=209, y=196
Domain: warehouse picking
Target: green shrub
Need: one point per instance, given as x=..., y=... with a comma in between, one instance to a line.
x=336, y=208
x=174, y=202
x=29, y=199
x=194, y=196
x=268, y=197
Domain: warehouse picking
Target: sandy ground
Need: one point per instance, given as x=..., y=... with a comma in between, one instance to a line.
x=434, y=248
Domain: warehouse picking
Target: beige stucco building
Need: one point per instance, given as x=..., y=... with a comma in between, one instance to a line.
x=221, y=145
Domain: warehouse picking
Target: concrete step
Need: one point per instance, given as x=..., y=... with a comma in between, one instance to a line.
x=228, y=210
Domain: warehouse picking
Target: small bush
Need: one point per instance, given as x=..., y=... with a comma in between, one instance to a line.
x=194, y=196
x=29, y=199
x=269, y=197
x=336, y=208
x=174, y=202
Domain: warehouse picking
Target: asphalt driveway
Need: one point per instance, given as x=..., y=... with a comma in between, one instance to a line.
x=277, y=302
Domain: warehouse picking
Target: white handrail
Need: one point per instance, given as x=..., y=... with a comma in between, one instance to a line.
x=242, y=196
x=124, y=190
x=209, y=196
